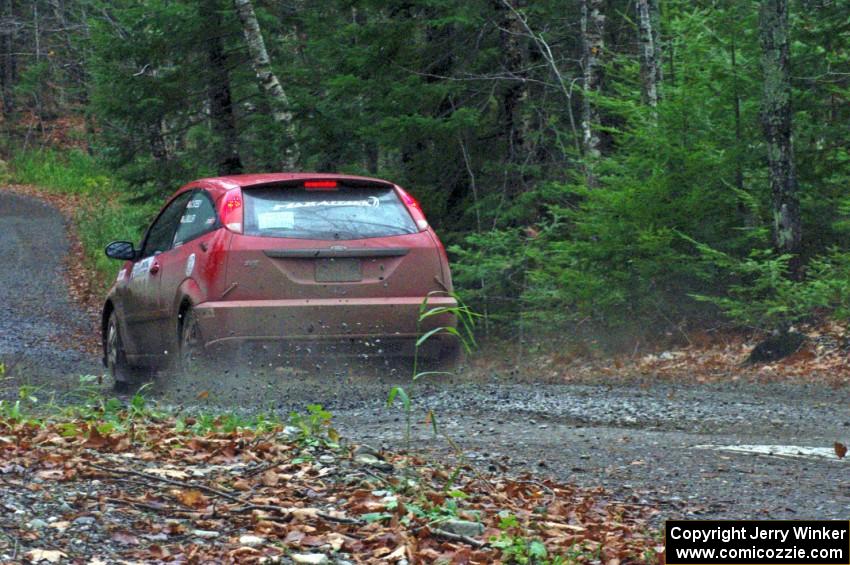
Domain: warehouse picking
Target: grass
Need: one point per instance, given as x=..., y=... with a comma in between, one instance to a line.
x=103, y=213
x=86, y=407
x=64, y=172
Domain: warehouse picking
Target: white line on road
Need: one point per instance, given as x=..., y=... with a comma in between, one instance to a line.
x=792, y=451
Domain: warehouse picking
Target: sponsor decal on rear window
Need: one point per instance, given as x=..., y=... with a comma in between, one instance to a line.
x=275, y=220
x=371, y=202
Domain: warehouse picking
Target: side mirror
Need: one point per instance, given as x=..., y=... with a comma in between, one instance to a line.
x=122, y=250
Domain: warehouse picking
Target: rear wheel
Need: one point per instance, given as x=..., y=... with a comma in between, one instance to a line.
x=124, y=376
x=191, y=345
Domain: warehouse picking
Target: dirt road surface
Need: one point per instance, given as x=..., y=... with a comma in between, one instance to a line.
x=735, y=450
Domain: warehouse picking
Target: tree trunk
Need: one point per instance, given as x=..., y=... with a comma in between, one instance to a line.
x=593, y=43
x=649, y=51
x=655, y=22
x=515, y=55
x=736, y=100
x=776, y=121
x=9, y=59
x=218, y=91
x=267, y=79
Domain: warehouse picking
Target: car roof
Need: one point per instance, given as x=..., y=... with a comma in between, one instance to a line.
x=242, y=181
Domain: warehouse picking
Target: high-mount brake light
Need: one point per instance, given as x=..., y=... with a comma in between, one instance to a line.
x=231, y=211
x=320, y=184
x=414, y=208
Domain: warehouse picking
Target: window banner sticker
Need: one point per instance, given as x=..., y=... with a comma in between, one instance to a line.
x=276, y=220
x=194, y=204
x=188, y=219
x=371, y=202
x=141, y=268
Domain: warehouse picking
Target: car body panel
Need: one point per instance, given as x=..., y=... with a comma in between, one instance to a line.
x=272, y=289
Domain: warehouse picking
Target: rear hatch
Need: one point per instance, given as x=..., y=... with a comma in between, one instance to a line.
x=330, y=239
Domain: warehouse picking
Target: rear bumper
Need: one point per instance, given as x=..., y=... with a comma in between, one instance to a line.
x=342, y=320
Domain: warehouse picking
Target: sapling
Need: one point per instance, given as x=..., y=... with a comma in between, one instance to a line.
x=463, y=332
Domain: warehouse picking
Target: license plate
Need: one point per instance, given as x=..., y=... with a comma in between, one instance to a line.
x=338, y=270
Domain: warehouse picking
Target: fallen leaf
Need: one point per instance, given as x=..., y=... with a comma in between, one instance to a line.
x=840, y=450
x=399, y=553
x=96, y=440
x=51, y=474
x=125, y=538
x=270, y=478
x=192, y=498
x=50, y=555
x=169, y=473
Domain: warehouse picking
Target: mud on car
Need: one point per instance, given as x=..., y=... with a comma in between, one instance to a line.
x=281, y=264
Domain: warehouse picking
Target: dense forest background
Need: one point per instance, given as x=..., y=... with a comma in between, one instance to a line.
x=618, y=168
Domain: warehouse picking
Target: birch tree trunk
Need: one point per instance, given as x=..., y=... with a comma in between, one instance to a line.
x=647, y=11
x=593, y=43
x=267, y=79
x=776, y=122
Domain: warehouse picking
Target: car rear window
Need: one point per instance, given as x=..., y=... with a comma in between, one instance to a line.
x=343, y=213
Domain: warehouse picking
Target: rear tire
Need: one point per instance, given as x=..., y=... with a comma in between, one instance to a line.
x=124, y=376
x=192, y=354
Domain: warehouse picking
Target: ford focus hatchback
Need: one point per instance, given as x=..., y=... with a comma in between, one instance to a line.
x=282, y=263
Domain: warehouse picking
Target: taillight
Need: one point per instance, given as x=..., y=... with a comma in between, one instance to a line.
x=414, y=208
x=231, y=210
x=320, y=185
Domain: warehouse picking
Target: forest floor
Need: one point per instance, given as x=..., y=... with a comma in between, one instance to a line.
x=676, y=431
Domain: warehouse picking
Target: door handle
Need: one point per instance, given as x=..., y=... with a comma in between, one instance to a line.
x=154, y=268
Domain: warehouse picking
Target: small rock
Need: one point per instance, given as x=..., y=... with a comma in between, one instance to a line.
x=36, y=524
x=206, y=534
x=372, y=461
x=310, y=558
x=251, y=541
x=326, y=459
x=463, y=527
x=366, y=450
x=84, y=521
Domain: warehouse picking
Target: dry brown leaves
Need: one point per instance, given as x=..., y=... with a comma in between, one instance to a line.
x=706, y=357
x=246, y=498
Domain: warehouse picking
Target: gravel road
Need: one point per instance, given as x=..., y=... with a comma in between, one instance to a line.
x=38, y=321
x=675, y=447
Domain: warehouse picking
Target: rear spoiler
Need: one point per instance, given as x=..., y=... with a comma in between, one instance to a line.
x=320, y=180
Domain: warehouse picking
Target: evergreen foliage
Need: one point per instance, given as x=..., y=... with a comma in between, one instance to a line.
x=476, y=108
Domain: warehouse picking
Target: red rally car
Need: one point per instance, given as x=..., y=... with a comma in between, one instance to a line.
x=280, y=261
